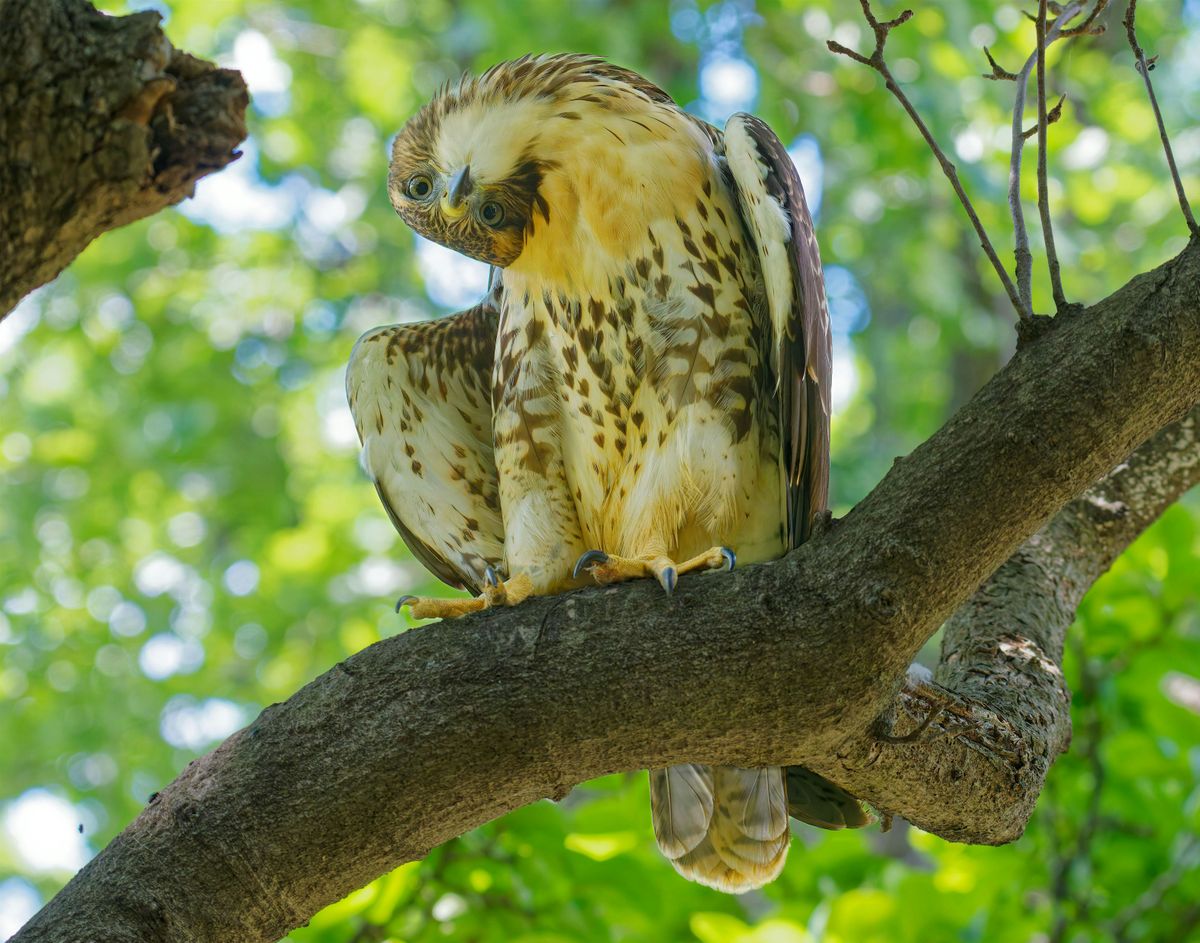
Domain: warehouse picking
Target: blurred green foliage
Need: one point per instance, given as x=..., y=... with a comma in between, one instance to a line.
x=185, y=536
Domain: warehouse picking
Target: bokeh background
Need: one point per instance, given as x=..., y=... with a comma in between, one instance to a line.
x=186, y=536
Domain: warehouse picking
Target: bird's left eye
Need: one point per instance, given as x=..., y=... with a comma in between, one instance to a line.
x=419, y=186
x=492, y=213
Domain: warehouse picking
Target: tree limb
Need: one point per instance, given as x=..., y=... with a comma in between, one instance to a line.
x=796, y=661
x=102, y=122
x=999, y=687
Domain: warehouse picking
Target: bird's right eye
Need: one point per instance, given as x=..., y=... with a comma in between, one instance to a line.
x=419, y=187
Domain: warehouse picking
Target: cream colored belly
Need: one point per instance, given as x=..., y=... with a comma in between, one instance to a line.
x=686, y=488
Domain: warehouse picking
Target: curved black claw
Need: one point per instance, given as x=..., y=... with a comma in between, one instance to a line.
x=668, y=578
x=489, y=576
x=730, y=558
x=402, y=600
x=588, y=559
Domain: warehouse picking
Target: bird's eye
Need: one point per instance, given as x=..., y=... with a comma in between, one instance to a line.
x=492, y=213
x=419, y=187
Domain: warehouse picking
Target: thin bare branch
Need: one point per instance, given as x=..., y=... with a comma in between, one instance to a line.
x=881, y=28
x=1060, y=300
x=998, y=73
x=1024, y=258
x=1086, y=28
x=1144, y=66
x=1051, y=117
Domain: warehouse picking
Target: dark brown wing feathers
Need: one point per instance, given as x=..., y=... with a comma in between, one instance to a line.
x=805, y=355
x=804, y=370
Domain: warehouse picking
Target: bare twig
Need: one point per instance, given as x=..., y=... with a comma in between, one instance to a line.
x=1060, y=300
x=1144, y=65
x=1051, y=117
x=1086, y=27
x=875, y=61
x=1023, y=256
x=998, y=73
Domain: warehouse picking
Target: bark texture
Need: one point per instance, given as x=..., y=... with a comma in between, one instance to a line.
x=998, y=713
x=419, y=738
x=102, y=122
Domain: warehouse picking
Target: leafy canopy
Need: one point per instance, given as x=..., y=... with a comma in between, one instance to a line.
x=185, y=535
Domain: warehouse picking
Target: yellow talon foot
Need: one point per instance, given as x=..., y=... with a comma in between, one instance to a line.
x=606, y=569
x=718, y=558
x=425, y=607
x=510, y=592
x=496, y=592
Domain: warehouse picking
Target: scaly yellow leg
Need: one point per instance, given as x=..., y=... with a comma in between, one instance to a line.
x=496, y=592
x=609, y=569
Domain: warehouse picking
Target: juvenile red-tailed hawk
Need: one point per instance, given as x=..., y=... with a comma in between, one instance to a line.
x=644, y=392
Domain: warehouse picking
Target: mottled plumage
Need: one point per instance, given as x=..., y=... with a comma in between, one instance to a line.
x=421, y=398
x=647, y=386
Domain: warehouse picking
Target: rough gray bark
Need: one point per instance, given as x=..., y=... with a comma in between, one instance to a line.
x=102, y=122
x=999, y=712
x=419, y=738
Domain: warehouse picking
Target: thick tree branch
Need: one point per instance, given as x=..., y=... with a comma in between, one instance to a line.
x=796, y=661
x=1000, y=707
x=102, y=122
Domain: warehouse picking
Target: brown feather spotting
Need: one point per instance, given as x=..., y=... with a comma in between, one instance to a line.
x=650, y=379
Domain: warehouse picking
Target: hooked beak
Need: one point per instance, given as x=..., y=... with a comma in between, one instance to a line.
x=457, y=190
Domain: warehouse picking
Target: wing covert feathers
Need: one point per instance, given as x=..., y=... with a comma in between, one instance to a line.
x=420, y=395
x=775, y=212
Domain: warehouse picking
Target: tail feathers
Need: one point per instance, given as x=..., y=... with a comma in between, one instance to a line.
x=704, y=865
x=723, y=826
x=681, y=807
x=753, y=801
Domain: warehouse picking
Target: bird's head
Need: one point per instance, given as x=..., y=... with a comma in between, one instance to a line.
x=465, y=170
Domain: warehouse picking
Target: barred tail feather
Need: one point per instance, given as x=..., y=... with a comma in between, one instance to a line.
x=724, y=827
x=681, y=807
x=704, y=865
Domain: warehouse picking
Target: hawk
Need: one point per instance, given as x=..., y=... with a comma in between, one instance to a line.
x=644, y=392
